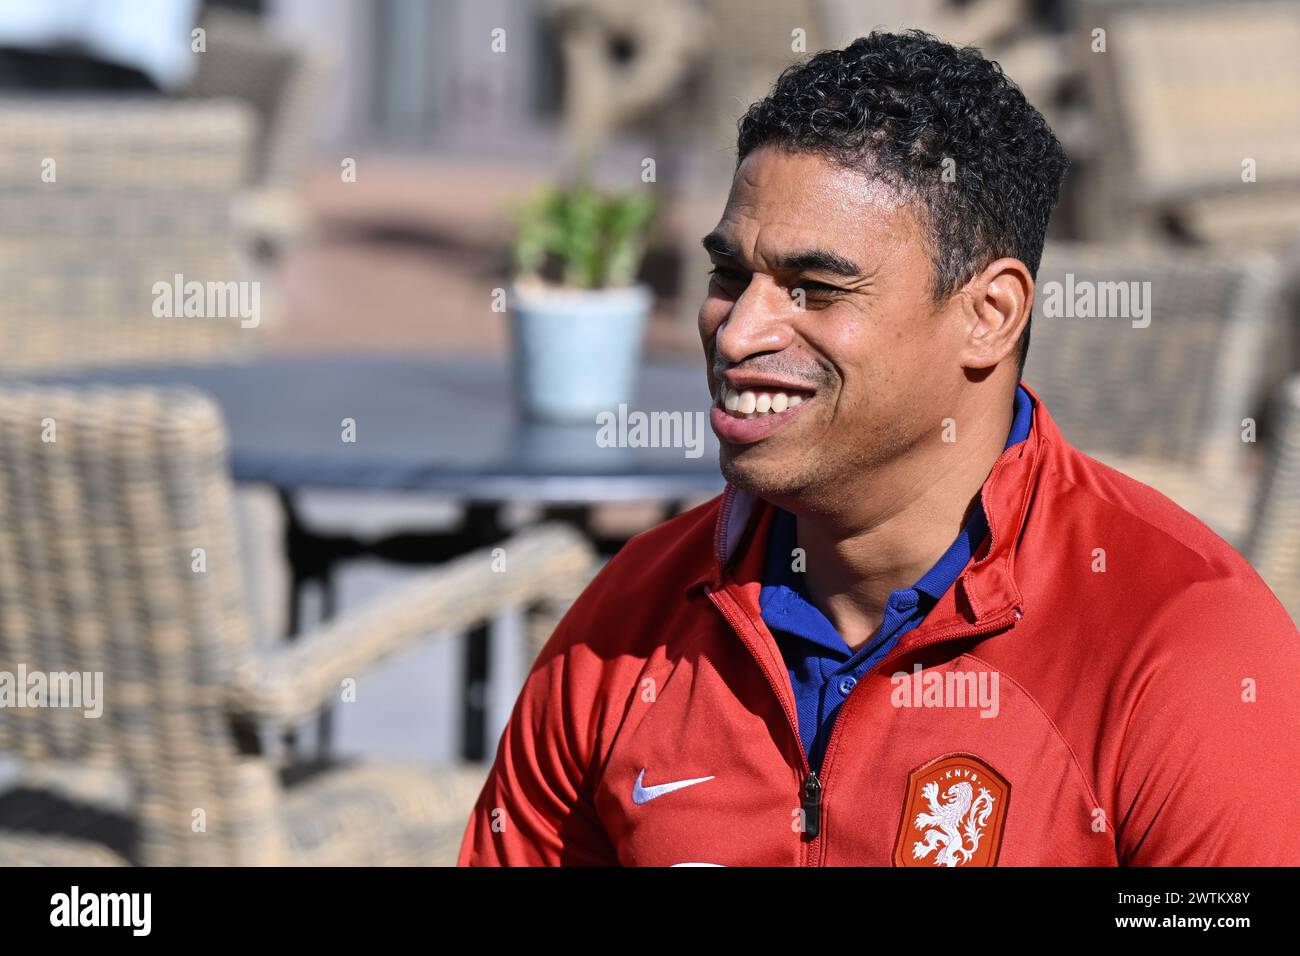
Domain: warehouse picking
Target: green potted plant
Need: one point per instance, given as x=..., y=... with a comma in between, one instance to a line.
x=578, y=314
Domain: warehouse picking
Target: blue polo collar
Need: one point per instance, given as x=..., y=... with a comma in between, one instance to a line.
x=785, y=603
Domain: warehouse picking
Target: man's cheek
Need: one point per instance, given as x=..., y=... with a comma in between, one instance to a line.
x=710, y=320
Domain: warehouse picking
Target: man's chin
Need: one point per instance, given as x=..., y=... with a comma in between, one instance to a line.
x=748, y=472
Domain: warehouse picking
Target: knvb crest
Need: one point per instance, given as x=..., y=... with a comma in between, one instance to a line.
x=953, y=814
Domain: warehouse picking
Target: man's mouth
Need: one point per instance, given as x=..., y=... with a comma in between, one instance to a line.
x=758, y=402
x=746, y=415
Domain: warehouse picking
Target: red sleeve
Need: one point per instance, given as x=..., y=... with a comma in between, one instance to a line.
x=535, y=808
x=1210, y=766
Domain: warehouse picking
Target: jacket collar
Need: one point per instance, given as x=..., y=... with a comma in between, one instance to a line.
x=985, y=590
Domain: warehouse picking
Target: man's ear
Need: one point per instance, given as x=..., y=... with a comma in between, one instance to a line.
x=997, y=302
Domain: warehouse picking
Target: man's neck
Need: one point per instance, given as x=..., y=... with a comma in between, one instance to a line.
x=895, y=524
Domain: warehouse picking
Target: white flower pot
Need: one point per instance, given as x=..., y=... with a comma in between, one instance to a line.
x=576, y=351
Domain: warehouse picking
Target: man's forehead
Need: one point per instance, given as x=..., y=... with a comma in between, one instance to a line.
x=778, y=177
x=781, y=201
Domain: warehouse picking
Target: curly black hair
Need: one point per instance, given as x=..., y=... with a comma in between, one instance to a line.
x=941, y=124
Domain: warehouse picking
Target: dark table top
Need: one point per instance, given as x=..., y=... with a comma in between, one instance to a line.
x=448, y=426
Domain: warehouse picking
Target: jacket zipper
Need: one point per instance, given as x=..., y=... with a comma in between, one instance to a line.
x=815, y=850
x=811, y=804
x=810, y=788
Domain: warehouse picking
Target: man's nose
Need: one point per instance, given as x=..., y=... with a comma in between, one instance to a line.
x=760, y=321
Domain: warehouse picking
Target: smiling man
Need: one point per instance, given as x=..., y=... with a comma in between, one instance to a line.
x=918, y=628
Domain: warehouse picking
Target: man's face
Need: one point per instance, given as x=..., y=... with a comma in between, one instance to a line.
x=820, y=312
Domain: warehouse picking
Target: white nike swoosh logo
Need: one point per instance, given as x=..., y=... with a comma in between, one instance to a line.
x=642, y=794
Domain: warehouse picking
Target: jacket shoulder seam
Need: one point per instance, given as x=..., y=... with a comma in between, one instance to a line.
x=1163, y=532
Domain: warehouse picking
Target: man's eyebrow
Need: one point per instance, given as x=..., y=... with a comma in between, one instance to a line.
x=719, y=245
x=819, y=260
x=810, y=260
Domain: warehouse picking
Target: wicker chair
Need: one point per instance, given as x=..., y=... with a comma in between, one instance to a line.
x=1184, y=93
x=1273, y=546
x=1164, y=403
x=97, y=575
x=284, y=84
x=142, y=190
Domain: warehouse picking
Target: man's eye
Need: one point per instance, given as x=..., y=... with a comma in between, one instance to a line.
x=726, y=275
x=818, y=288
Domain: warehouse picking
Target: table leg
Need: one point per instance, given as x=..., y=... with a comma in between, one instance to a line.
x=325, y=719
x=311, y=558
x=482, y=524
x=477, y=660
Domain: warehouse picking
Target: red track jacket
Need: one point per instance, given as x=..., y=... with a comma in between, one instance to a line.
x=1108, y=683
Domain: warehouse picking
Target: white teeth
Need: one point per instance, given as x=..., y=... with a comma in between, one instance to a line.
x=750, y=404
